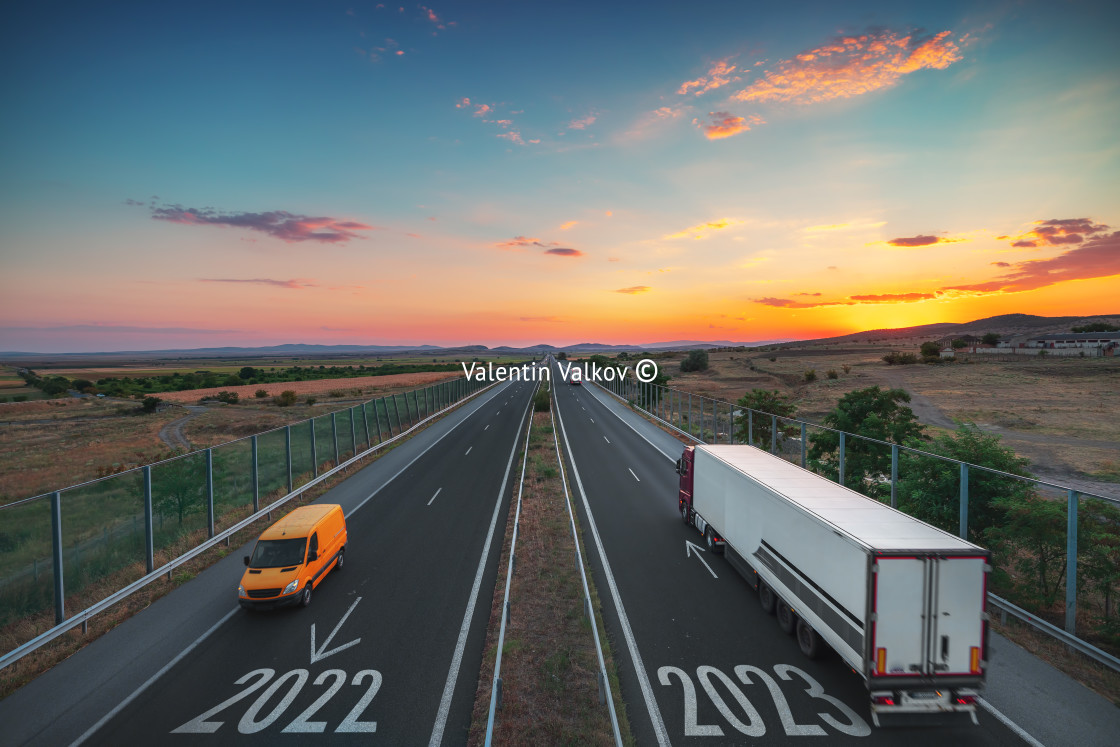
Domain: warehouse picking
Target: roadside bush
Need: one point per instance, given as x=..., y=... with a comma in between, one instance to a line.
x=765, y=402
x=19, y=398
x=336, y=393
x=931, y=349
x=310, y=401
x=150, y=404
x=900, y=359
x=773, y=358
x=831, y=373
x=697, y=360
x=229, y=397
x=847, y=368
x=260, y=394
x=811, y=375
x=287, y=398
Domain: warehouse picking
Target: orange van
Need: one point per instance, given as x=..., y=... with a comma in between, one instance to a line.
x=292, y=556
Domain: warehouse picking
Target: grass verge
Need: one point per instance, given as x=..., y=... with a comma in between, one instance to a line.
x=550, y=691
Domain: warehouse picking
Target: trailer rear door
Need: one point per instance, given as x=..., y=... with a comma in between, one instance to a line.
x=929, y=616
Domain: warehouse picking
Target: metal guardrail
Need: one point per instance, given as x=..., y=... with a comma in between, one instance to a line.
x=1065, y=636
x=1007, y=608
x=82, y=618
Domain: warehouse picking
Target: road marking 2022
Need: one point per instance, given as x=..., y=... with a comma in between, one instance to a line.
x=302, y=724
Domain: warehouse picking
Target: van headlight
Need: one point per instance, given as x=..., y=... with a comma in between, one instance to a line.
x=292, y=586
x=241, y=591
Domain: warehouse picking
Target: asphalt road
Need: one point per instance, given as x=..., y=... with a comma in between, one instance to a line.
x=700, y=661
x=389, y=650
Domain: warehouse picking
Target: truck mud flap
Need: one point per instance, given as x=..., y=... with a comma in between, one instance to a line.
x=910, y=720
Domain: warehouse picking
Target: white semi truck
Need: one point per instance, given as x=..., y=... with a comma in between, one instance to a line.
x=903, y=603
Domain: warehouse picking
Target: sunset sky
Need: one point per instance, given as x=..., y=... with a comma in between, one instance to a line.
x=256, y=173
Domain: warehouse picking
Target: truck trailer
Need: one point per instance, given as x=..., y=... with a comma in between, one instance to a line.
x=902, y=602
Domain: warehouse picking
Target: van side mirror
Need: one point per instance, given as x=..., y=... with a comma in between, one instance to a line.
x=246, y=560
x=312, y=556
x=678, y=466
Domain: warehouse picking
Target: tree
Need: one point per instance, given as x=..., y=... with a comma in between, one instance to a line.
x=990, y=338
x=561, y=356
x=957, y=345
x=873, y=413
x=764, y=402
x=287, y=398
x=929, y=488
x=1033, y=539
x=931, y=349
x=81, y=384
x=1096, y=327
x=248, y=372
x=178, y=486
x=150, y=404
x=900, y=359
x=697, y=360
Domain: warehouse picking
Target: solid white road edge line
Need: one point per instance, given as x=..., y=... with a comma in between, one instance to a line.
x=627, y=632
x=1019, y=731
x=461, y=644
x=138, y=691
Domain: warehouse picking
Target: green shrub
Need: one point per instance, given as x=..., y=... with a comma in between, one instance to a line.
x=900, y=359
x=310, y=400
x=697, y=360
x=260, y=394
x=811, y=375
x=150, y=404
x=831, y=373
x=287, y=398
x=229, y=397
x=847, y=368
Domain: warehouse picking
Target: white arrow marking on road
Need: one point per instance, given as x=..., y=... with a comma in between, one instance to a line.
x=689, y=547
x=322, y=653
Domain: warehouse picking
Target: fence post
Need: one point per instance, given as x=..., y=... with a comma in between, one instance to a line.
x=1071, y=563
x=964, y=501
x=773, y=434
x=334, y=436
x=314, y=450
x=715, y=421
x=802, y=444
x=288, y=453
x=842, y=434
x=210, y=491
x=256, y=479
x=353, y=434
x=149, y=538
x=750, y=427
x=377, y=419
x=365, y=425
x=56, y=541
x=731, y=417
x=894, y=475
x=690, y=431
x=702, y=420
x=397, y=412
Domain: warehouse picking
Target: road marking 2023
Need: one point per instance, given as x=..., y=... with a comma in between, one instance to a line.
x=754, y=726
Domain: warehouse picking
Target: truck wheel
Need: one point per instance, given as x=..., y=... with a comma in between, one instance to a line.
x=808, y=640
x=338, y=563
x=710, y=540
x=685, y=512
x=787, y=621
x=766, y=597
x=305, y=599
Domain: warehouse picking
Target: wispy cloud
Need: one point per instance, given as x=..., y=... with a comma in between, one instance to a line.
x=916, y=241
x=718, y=75
x=121, y=328
x=582, y=123
x=851, y=66
x=894, y=297
x=634, y=290
x=549, y=319
x=296, y=284
x=650, y=123
x=280, y=224
x=569, y=224
x=514, y=136
x=520, y=243
x=725, y=124
x=1057, y=232
x=703, y=230
x=851, y=226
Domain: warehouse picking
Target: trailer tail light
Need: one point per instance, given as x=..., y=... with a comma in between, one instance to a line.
x=883, y=700
x=974, y=659
x=881, y=661
x=965, y=700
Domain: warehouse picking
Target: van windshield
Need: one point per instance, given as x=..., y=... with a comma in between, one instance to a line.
x=278, y=553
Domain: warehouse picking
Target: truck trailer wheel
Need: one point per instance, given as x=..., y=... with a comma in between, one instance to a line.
x=787, y=621
x=710, y=539
x=808, y=640
x=766, y=597
x=684, y=512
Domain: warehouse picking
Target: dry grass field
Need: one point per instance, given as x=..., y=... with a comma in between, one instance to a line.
x=50, y=444
x=1059, y=413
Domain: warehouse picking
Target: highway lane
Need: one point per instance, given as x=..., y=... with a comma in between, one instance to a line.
x=390, y=627
x=714, y=666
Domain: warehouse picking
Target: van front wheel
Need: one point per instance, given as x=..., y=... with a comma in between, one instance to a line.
x=338, y=563
x=305, y=599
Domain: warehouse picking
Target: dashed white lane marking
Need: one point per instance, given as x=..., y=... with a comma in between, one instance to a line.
x=632, y=472
x=606, y=439
x=434, y=496
x=468, y=451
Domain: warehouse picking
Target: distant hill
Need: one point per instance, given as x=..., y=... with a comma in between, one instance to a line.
x=1005, y=325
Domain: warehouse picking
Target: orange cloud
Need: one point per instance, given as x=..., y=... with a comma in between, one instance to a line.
x=290, y=284
x=634, y=290
x=1097, y=258
x=462, y=103
x=519, y=243
x=582, y=124
x=482, y=110
x=851, y=66
x=702, y=230
x=719, y=75
x=724, y=124
x=569, y=224
x=1058, y=231
x=514, y=136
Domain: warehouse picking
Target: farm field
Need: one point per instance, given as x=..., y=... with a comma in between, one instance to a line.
x=1056, y=413
x=50, y=444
